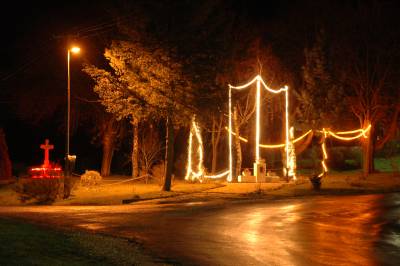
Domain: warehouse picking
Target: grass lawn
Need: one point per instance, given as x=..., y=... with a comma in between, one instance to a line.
x=118, y=190
x=27, y=244
x=111, y=192
x=387, y=165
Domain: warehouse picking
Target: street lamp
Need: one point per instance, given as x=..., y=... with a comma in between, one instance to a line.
x=68, y=160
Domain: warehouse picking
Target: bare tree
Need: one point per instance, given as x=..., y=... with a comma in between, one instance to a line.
x=150, y=149
x=369, y=69
x=242, y=113
x=217, y=128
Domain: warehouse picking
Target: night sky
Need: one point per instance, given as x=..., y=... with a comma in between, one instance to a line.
x=33, y=56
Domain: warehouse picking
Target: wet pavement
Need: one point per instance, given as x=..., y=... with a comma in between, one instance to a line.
x=318, y=230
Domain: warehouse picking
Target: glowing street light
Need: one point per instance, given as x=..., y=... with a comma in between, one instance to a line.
x=68, y=160
x=75, y=49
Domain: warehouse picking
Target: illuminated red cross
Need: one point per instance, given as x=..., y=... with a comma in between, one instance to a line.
x=46, y=147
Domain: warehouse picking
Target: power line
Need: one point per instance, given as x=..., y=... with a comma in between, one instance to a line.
x=38, y=54
x=84, y=32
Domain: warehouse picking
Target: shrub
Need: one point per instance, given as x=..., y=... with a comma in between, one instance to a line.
x=355, y=154
x=337, y=158
x=305, y=164
x=43, y=190
x=345, y=158
x=316, y=182
x=91, y=179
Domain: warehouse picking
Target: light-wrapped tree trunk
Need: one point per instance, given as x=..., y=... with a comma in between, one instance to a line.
x=237, y=146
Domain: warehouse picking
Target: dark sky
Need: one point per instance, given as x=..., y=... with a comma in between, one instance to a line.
x=34, y=46
x=34, y=49
x=34, y=26
x=34, y=55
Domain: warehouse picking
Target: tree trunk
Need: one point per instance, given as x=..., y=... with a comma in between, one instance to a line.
x=108, y=151
x=368, y=150
x=303, y=145
x=215, y=137
x=390, y=133
x=237, y=146
x=135, y=149
x=169, y=155
x=5, y=162
x=214, y=147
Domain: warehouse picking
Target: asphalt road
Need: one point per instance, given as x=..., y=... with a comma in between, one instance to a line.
x=321, y=230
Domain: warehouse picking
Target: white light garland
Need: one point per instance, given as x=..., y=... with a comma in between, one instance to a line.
x=190, y=173
x=290, y=166
x=259, y=81
x=281, y=145
x=258, y=102
x=291, y=162
x=189, y=161
x=218, y=175
x=362, y=132
x=230, y=136
x=234, y=134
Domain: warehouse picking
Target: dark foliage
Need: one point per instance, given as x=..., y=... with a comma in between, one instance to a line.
x=39, y=190
x=316, y=182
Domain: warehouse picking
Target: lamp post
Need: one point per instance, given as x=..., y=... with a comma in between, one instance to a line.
x=74, y=50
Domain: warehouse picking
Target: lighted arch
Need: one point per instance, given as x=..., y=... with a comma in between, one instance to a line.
x=258, y=80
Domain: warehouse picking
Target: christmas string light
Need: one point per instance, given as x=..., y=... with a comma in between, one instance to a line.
x=258, y=102
x=200, y=152
x=288, y=145
x=361, y=134
x=245, y=85
x=287, y=130
x=234, y=134
x=354, y=131
x=272, y=146
x=324, y=154
x=218, y=175
x=281, y=145
x=190, y=174
x=285, y=88
x=291, y=162
x=230, y=136
x=189, y=161
x=259, y=81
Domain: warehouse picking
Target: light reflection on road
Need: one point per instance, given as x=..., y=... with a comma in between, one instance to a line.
x=322, y=230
